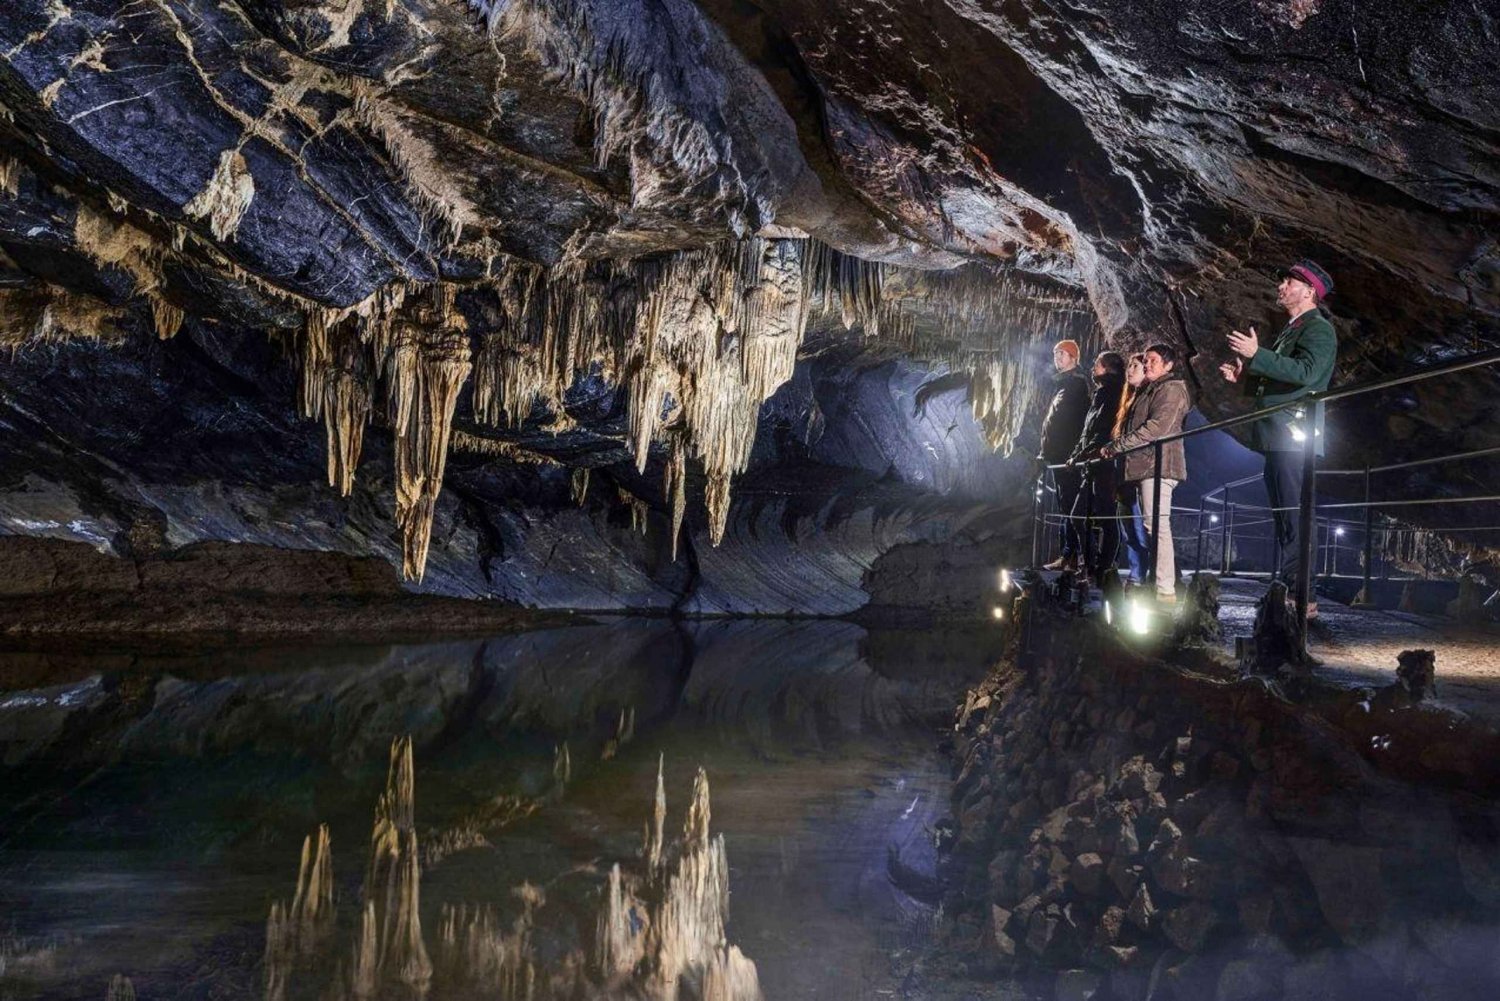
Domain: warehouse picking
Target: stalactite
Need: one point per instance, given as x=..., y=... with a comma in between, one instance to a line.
x=562, y=766
x=120, y=988
x=346, y=404
x=225, y=197
x=579, y=485
x=10, y=176
x=415, y=161
x=428, y=369
x=112, y=242
x=51, y=315
x=640, y=511
x=165, y=317
x=675, y=488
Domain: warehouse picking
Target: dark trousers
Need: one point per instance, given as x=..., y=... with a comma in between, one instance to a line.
x=1283, y=479
x=1097, y=498
x=1068, y=482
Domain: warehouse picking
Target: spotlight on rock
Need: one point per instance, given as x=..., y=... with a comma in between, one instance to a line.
x=998, y=613
x=1005, y=582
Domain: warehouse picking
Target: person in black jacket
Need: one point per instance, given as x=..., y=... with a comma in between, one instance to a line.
x=1060, y=430
x=1097, y=497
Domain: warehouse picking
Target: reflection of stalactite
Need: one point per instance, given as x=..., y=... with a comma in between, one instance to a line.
x=312, y=906
x=676, y=932
x=656, y=832
x=301, y=929
x=474, y=950
x=624, y=734
x=621, y=932
x=390, y=943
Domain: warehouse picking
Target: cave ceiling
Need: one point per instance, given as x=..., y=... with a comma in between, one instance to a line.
x=446, y=214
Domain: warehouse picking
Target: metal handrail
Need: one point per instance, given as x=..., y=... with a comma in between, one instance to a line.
x=1326, y=396
x=1309, y=472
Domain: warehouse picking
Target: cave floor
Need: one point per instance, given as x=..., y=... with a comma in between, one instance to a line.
x=1358, y=647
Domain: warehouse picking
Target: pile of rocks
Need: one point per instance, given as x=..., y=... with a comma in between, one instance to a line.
x=1126, y=829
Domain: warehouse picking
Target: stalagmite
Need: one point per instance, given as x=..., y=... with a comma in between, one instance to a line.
x=226, y=196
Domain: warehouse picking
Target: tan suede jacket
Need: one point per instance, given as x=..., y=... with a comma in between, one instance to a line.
x=1158, y=410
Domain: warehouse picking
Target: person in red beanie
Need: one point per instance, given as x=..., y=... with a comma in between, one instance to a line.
x=1300, y=361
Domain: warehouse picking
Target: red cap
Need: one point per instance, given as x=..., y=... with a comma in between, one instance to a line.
x=1312, y=275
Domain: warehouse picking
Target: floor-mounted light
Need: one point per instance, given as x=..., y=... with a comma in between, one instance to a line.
x=1140, y=619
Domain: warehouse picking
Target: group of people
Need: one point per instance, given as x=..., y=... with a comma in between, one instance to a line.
x=1093, y=433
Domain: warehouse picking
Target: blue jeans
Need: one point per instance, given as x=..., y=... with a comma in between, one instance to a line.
x=1133, y=533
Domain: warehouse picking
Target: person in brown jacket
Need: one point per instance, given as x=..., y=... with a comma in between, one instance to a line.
x=1157, y=411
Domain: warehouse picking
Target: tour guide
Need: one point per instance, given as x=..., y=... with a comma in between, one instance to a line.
x=1299, y=363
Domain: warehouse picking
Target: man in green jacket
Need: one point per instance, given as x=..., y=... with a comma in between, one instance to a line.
x=1298, y=363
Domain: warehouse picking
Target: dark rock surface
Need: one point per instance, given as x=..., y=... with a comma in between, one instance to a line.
x=295, y=169
x=1250, y=846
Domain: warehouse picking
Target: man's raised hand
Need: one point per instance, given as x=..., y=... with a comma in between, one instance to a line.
x=1244, y=345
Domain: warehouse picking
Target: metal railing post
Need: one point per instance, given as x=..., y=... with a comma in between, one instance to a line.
x=1155, y=518
x=1228, y=532
x=1036, y=516
x=1198, y=559
x=1369, y=541
x=1088, y=518
x=1305, y=525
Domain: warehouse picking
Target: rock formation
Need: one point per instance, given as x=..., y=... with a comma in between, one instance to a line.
x=451, y=216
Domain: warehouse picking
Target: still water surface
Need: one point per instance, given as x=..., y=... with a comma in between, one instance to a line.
x=153, y=809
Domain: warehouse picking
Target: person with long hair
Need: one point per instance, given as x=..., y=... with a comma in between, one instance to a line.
x=1158, y=412
x=1127, y=497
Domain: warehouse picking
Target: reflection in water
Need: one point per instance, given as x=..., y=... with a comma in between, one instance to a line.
x=660, y=934
x=176, y=790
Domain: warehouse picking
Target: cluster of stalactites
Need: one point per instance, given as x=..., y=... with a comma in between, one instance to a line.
x=697, y=340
